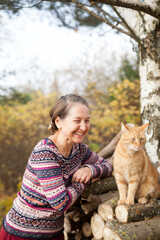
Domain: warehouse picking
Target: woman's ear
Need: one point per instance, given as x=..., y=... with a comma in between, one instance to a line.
x=58, y=122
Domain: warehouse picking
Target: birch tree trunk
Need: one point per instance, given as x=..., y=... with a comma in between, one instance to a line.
x=149, y=69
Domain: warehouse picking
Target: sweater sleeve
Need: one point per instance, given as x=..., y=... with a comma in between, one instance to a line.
x=50, y=177
x=99, y=166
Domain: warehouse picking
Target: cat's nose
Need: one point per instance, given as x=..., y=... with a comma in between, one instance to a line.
x=138, y=144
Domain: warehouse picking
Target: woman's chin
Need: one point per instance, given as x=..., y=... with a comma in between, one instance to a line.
x=78, y=139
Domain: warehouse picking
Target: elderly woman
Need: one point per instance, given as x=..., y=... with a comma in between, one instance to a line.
x=58, y=170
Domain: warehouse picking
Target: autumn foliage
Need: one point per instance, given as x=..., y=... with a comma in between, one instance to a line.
x=121, y=104
x=23, y=124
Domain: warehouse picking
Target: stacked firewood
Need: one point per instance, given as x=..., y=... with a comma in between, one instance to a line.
x=96, y=215
x=77, y=223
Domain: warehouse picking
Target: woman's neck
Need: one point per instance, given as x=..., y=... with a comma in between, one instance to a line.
x=63, y=146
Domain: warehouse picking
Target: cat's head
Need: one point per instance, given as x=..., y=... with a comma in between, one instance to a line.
x=133, y=137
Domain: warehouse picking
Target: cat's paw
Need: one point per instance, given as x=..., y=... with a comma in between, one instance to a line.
x=121, y=202
x=130, y=201
x=142, y=200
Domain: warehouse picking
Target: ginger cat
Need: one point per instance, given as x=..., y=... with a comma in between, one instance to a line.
x=134, y=173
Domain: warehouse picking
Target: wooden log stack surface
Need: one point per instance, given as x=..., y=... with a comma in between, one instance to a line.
x=96, y=215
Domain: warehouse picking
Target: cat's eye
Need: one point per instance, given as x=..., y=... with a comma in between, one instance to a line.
x=141, y=139
x=133, y=139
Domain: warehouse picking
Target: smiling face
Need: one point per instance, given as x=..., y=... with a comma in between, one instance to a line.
x=75, y=126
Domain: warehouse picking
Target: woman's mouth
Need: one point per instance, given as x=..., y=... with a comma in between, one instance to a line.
x=80, y=134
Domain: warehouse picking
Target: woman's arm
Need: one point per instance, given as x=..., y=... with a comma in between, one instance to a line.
x=50, y=177
x=99, y=166
x=94, y=166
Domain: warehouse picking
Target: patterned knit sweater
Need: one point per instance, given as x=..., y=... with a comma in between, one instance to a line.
x=47, y=191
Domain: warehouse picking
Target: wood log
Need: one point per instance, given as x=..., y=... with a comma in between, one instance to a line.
x=137, y=212
x=76, y=225
x=69, y=214
x=106, y=209
x=67, y=225
x=109, y=149
x=65, y=235
x=96, y=238
x=104, y=185
x=143, y=230
x=78, y=235
x=81, y=217
x=97, y=226
x=71, y=236
x=70, y=225
x=86, y=229
x=76, y=216
x=93, y=201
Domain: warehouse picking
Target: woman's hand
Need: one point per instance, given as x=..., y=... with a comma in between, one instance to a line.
x=82, y=175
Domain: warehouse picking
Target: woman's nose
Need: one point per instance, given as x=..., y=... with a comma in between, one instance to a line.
x=83, y=126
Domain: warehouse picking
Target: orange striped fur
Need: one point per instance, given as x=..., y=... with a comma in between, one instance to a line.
x=135, y=175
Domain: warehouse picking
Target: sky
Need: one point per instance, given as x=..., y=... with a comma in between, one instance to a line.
x=33, y=49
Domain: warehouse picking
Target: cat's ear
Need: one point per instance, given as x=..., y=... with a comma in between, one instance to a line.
x=144, y=126
x=123, y=127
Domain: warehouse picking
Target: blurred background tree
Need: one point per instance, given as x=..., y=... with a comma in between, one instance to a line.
x=24, y=121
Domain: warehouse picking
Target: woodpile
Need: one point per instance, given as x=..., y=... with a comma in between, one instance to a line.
x=96, y=215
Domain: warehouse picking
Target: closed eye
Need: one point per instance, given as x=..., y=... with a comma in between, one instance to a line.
x=133, y=139
x=77, y=121
x=87, y=121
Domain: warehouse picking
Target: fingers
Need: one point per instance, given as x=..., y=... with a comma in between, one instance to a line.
x=82, y=175
x=79, y=179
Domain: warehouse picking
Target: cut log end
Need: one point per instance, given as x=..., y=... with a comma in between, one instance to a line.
x=108, y=234
x=97, y=226
x=86, y=229
x=67, y=225
x=106, y=209
x=105, y=212
x=137, y=212
x=121, y=213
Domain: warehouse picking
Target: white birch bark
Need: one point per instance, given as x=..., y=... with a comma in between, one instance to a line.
x=150, y=106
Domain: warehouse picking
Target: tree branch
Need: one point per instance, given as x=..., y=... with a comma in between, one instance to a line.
x=82, y=6
x=105, y=13
x=62, y=20
x=134, y=36
x=19, y=8
x=135, y=5
x=35, y=5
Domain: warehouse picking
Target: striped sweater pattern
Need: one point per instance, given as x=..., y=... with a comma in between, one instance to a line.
x=47, y=191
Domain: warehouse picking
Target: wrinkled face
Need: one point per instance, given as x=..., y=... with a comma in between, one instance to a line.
x=134, y=138
x=75, y=126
